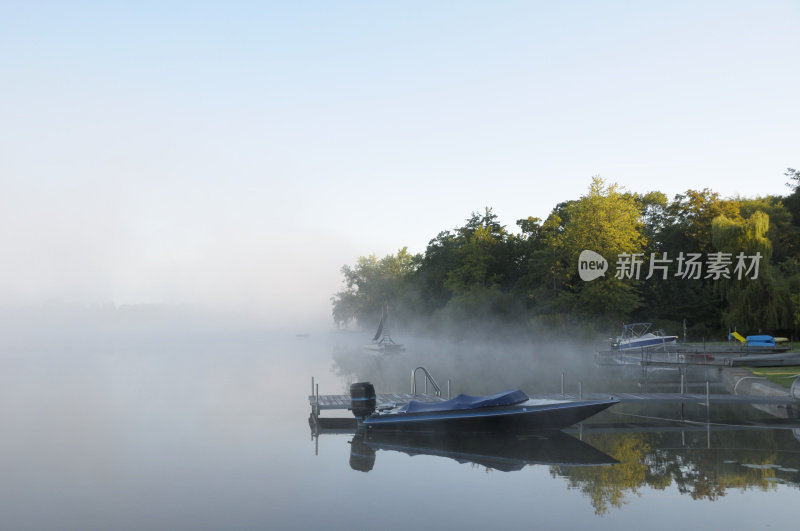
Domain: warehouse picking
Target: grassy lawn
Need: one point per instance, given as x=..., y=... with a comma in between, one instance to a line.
x=780, y=375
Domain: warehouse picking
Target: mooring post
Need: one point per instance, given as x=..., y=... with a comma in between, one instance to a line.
x=708, y=395
x=682, y=382
x=448, y=388
x=562, y=385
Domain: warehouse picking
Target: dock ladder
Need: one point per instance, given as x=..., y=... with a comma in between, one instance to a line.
x=428, y=378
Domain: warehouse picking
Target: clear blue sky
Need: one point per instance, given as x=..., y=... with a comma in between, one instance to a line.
x=241, y=152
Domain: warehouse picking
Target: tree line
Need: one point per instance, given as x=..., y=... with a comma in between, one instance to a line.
x=714, y=264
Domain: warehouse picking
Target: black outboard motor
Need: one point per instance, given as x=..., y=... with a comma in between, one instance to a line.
x=362, y=399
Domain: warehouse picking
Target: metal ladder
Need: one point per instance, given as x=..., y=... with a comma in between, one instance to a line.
x=428, y=378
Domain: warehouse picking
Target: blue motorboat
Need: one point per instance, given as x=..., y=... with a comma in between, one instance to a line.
x=507, y=412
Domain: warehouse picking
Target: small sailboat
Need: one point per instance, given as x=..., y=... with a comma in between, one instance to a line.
x=382, y=341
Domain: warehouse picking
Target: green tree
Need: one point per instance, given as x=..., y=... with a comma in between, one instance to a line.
x=753, y=304
x=687, y=229
x=783, y=234
x=480, y=255
x=609, y=222
x=690, y=216
x=440, y=257
x=605, y=220
x=793, y=175
x=371, y=283
x=653, y=212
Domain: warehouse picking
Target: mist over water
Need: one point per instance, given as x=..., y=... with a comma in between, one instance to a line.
x=167, y=417
x=147, y=423
x=474, y=367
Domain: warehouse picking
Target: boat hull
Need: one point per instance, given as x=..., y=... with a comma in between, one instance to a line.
x=520, y=418
x=647, y=343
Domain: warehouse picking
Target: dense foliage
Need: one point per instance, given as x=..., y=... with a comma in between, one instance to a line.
x=665, y=265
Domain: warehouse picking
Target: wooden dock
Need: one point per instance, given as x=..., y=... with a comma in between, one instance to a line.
x=342, y=402
x=696, y=358
x=321, y=402
x=641, y=398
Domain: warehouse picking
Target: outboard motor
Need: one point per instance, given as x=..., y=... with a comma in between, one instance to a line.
x=362, y=399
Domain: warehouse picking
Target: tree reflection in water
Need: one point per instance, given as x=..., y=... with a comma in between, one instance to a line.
x=737, y=459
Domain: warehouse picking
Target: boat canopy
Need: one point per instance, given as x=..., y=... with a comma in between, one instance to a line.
x=505, y=398
x=634, y=330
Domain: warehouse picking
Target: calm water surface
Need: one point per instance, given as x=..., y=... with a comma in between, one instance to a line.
x=190, y=430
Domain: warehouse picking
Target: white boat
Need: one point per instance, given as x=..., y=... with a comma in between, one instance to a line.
x=639, y=336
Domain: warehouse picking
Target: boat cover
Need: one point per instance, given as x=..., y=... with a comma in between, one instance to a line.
x=505, y=398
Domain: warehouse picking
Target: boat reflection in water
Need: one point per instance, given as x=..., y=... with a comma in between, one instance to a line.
x=505, y=453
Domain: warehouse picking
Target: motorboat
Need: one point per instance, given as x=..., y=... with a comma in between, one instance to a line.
x=639, y=336
x=506, y=412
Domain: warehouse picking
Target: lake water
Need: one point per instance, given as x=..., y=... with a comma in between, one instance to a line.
x=181, y=429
